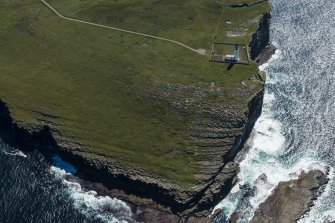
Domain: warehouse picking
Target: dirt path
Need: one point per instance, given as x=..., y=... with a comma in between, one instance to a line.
x=199, y=51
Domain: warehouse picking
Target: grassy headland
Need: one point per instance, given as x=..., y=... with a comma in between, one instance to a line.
x=95, y=87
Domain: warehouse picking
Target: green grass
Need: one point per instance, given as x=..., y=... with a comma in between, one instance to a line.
x=90, y=76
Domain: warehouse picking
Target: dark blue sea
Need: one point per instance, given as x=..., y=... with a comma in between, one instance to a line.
x=33, y=190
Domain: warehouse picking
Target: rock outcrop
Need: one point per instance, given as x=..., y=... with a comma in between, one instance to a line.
x=292, y=199
x=245, y=4
x=261, y=49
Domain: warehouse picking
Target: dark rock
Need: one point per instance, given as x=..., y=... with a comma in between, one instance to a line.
x=247, y=4
x=260, y=46
x=266, y=54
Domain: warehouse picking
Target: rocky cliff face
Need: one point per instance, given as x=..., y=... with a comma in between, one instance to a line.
x=217, y=147
x=261, y=49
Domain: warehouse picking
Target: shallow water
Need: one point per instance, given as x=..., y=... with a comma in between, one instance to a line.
x=296, y=129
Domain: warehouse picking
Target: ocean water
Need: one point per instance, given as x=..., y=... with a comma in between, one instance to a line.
x=33, y=191
x=296, y=131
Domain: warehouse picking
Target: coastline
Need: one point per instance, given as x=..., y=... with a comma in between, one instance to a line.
x=163, y=196
x=94, y=178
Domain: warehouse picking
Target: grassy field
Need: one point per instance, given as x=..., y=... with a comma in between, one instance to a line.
x=88, y=77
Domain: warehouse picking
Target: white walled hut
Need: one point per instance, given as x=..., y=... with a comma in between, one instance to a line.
x=234, y=57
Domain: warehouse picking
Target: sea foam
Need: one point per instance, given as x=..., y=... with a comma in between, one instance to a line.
x=15, y=153
x=262, y=167
x=102, y=208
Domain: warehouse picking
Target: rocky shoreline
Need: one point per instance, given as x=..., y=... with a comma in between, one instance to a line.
x=144, y=190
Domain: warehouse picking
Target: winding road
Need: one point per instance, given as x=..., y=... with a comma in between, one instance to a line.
x=199, y=51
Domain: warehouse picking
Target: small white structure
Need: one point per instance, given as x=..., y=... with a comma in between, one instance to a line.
x=229, y=57
x=233, y=58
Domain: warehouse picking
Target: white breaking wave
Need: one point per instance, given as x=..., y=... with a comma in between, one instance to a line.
x=262, y=173
x=15, y=153
x=268, y=136
x=104, y=208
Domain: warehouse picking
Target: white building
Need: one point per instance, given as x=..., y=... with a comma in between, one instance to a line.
x=233, y=58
